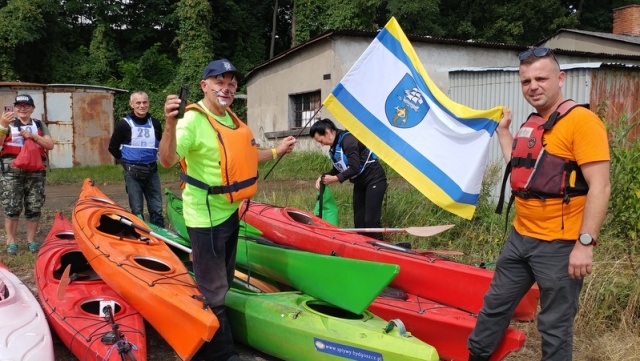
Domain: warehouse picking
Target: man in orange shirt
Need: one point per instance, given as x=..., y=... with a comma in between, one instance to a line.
x=560, y=179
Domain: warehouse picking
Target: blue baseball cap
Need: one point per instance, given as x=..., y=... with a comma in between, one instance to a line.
x=218, y=67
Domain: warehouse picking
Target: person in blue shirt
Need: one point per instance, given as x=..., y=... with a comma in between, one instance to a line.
x=134, y=144
x=354, y=162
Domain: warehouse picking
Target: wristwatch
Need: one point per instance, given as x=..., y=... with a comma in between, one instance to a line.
x=586, y=240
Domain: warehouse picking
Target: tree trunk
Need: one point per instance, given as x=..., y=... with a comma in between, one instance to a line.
x=273, y=29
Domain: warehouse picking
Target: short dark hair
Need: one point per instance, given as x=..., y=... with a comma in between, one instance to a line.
x=321, y=127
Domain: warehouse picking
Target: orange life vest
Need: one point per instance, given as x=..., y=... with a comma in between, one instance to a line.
x=13, y=141
x=238, y=159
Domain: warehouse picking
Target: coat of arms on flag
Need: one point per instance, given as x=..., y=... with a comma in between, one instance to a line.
x=405, y=106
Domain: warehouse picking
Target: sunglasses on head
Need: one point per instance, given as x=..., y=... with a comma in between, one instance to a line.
x=537, y=52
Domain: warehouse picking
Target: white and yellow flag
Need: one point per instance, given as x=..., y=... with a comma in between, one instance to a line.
x=389, y=103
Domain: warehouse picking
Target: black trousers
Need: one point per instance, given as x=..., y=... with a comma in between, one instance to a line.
x=367, y=206
x=214, y=260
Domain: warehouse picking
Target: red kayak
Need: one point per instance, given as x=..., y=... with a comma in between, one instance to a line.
x=74, y=303
x=443, y=327
x=425, y=275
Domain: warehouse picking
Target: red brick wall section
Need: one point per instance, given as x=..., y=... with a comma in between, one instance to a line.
x=626, y=20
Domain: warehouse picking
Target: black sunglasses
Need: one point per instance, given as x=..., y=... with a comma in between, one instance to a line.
x=537, y=52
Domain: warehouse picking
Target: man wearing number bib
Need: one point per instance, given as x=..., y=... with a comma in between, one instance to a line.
x=134, y=144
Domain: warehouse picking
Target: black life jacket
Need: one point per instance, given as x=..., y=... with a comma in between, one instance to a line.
x=340, y=160
x=535, y=173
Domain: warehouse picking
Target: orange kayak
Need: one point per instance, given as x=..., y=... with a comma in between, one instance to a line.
x=75, y=309
x=143, y=271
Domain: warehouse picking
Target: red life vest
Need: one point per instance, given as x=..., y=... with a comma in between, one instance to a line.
x=535, y=173
x=240, y=171
x=13, y=141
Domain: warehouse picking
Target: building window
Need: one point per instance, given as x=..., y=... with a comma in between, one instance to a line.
x=304, y=106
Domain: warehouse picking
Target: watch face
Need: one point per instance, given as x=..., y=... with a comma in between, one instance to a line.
x=586, y=239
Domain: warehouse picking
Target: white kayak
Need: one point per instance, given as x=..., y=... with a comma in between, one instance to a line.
x=24, y=332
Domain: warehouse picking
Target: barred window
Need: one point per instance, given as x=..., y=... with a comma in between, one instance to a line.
x=303, y=106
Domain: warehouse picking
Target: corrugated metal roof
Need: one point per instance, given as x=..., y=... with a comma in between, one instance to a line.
x=20, y=83
x=88, y=86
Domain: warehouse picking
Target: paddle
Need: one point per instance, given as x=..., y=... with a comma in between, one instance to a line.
x=124, y=220
x=439, y=251
x=64, y=282
x=415, y=231
x=254, y=284
x=66, y=278
x=395, y=247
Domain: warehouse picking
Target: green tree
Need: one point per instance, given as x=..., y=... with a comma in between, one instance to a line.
x=419, y=17
x=23, y=24
x=195, y=44
x=517, y=22
x=313, y=17
x=103, y=55
x=152, y=73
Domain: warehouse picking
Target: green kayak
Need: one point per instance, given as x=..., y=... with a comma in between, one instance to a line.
x=295, y=326
x=339, y=281
x=347, y=283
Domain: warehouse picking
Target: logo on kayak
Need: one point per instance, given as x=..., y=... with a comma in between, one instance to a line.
x=346, y=351
x=406, y=105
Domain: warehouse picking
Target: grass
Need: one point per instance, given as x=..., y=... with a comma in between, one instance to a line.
x=608, y=321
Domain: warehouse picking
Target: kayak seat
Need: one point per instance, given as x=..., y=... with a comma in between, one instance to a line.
x=4, y=291
x=301, y=218
x=80, y=268
x=115, y=228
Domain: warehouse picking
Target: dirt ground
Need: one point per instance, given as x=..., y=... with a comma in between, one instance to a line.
x=62, y=198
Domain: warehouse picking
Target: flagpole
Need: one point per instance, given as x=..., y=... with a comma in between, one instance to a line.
x=296, y=137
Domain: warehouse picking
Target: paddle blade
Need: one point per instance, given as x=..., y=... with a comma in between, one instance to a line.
x=260, y=285
x=428, y=231
x=415, y=231
x=64, y=282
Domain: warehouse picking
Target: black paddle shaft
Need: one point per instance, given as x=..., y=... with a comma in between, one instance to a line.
x=321, y=196
x=298, y=135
